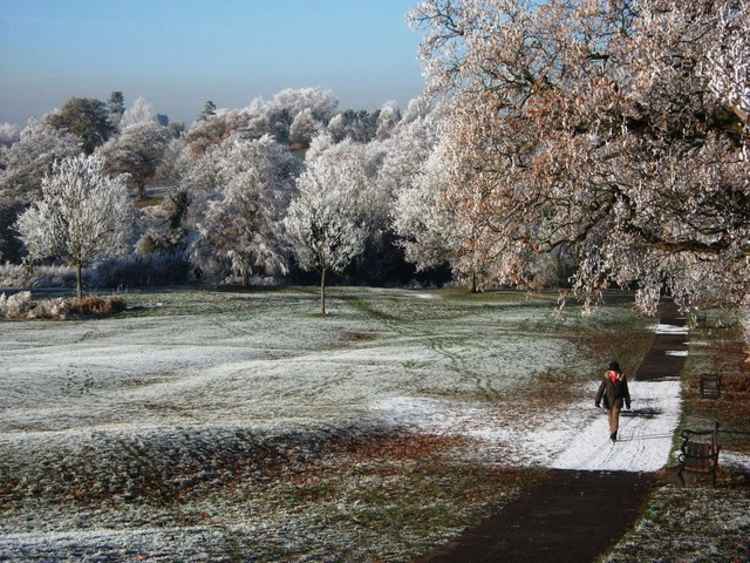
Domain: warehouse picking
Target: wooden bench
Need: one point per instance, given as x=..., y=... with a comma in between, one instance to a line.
x=699, y=453
x=710, y=386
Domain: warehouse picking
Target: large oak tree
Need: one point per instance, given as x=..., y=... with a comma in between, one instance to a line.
x=618, y=130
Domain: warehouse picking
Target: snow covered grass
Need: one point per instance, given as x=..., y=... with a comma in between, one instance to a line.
x=194, y=414
x=687, y=524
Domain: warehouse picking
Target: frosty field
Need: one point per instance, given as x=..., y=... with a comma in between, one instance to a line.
x=222, y=424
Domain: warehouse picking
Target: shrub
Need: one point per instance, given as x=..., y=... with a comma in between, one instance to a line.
x=21, y=307
x=95, y=306
x=48, y=309
x=13, y=275
x=16, y=306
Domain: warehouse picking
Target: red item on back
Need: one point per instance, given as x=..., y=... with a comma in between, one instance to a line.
x=613, y=376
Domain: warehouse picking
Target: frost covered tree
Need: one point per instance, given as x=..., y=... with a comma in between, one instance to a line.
x=208, y=111
x=441, y=220
x=169, y=171
x=87, y=118
x=28, y=160
x=24, y=164
x=139, y=113
x=614, y=129
x=418, y=108
x=421, y=218
x=727, y=64
x=359, y=126
x=405, y=151
x=321, y=103
x=138, y=151
x=81, y=216
x=337, y=127
x=388, y=118
x=116, y=106
x=392, y=165
x=9, y=134
x=243, y=226
x=323, y=223
x=304, y=128
x=275, y=117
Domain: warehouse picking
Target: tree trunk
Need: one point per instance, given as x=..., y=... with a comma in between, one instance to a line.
x=474, y=288
x=78, y=280
x=323, y=292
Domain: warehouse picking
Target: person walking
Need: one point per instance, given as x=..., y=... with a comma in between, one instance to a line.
x=614, y=391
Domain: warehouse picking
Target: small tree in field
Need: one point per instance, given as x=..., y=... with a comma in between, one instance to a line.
x=323, y=220
x=82, y=215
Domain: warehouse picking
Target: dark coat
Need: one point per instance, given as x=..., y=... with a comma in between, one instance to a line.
x=613, y=393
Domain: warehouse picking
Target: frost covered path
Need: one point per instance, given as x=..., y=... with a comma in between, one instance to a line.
x=595, y=493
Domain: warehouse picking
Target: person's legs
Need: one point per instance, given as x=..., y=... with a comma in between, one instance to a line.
x=614, y=421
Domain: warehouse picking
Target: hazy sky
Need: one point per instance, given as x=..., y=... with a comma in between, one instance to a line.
x=179, y=53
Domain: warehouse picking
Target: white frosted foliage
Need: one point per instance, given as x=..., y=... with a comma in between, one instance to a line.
x=304, y=127
x=323, y=223
x=243, y=226
x=622, y=142
x=82, y=215
x=9, y=133
x=140, y=112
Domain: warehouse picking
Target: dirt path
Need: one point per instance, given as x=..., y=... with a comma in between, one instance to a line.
x=671, y=336
x=576, y=515
x=568, y=517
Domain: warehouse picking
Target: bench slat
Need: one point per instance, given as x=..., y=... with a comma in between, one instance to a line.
x=710, y=386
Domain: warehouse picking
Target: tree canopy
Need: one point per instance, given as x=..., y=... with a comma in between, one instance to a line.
x=617, y=130
x=86, y=118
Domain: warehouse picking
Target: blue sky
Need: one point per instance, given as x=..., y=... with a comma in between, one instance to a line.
x=179, y=53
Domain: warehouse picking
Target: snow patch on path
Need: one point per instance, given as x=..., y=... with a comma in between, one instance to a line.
x=644, y=439
x=677, y=353
x=668, y=329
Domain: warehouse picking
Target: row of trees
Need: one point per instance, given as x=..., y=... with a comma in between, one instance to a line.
x=131, y=141
x=243, y=190
x=604, y=140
